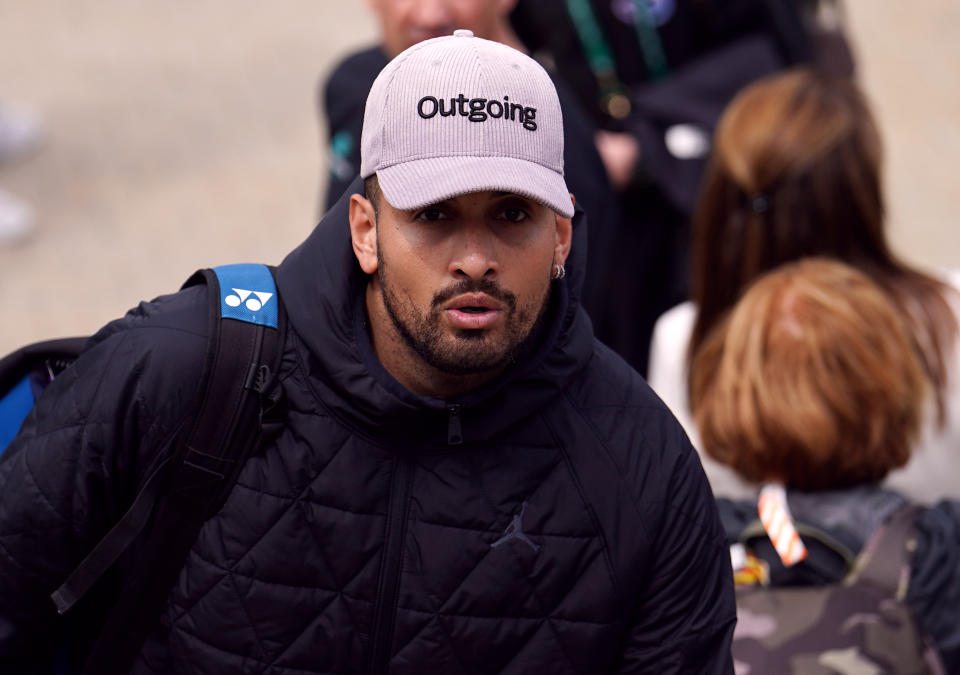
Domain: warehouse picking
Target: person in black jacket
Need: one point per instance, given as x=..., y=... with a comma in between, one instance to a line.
x=462, y=479
x=403, y=23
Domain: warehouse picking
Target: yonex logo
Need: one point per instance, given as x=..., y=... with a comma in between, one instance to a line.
x=243, y=297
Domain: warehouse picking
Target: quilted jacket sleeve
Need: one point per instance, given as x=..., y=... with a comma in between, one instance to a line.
x=77, y=464
x=686, y=612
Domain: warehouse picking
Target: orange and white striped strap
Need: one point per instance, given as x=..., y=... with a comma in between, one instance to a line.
x=776, y=520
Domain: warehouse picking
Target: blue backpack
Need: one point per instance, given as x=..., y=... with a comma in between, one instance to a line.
x=24, y=374
x=236, y=400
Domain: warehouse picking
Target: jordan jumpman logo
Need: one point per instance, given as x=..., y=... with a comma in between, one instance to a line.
x=515, y=531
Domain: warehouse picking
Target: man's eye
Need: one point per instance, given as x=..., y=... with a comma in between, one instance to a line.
x=432, y=214
x=514, y=215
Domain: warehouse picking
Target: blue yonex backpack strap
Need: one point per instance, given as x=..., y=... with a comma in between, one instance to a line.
x=239, y=385
x=14, y=407
x=248, y=293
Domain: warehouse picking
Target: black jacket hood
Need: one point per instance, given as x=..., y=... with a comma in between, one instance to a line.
x=322, y=287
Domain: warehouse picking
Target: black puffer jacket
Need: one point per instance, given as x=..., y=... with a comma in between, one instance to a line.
x=572, y=531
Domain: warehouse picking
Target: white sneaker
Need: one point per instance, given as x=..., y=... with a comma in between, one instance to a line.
x=16, y=219
x=19, y=132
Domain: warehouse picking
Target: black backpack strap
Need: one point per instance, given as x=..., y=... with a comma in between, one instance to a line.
x=116, y=541
x=885, y=559
x=247, y=327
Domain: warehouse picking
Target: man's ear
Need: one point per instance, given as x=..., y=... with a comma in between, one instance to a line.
x=363, y=232
x=564, y=236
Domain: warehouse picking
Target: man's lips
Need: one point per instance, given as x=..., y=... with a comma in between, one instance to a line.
x=472, y=311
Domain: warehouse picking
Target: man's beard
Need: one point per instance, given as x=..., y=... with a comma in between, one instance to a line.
x=465, y=352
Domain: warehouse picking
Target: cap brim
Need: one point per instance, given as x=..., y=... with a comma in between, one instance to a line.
x=417, y=183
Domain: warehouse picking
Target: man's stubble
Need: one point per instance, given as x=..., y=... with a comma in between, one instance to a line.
x=465, y=352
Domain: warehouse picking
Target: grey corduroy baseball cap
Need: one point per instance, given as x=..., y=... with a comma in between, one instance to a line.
x=461, y=114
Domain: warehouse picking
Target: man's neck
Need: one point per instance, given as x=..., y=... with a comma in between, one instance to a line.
x=405, y=365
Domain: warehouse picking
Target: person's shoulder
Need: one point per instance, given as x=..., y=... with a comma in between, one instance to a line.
x=609, y=381
x=137, y=376
x=934, y=589
x=165, y=322
x=355, y=72
x=677, y=322
x=941, y=523
x=158, y=345
x=626, y=413
x=643, y=446
x=343, y=97
x=569, y=102
x=668, y=351
x=936, y=559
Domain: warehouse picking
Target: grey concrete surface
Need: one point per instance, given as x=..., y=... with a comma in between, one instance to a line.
x=182, y=135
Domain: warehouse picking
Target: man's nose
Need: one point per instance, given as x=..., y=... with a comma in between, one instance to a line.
x=474, y=253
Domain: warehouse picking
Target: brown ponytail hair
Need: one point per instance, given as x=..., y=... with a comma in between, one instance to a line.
x=796, y=172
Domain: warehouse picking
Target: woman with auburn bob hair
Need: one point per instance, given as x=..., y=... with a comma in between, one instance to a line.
x=811, y=386
x=811, y=381
x=796, y=172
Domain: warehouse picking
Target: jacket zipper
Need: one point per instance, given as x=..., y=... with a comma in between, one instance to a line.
x=454, y=430
x=388, y=582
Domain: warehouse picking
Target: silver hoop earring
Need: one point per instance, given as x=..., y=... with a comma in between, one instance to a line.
x=558, y=271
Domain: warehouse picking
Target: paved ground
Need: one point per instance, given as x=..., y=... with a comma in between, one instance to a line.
x=182, y=135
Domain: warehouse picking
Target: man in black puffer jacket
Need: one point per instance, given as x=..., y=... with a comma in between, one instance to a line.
x=464, y=481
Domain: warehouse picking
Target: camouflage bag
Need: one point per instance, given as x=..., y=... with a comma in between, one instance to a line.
x=858, y=626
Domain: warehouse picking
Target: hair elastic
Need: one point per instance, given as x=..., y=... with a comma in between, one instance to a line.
x=760, y=203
